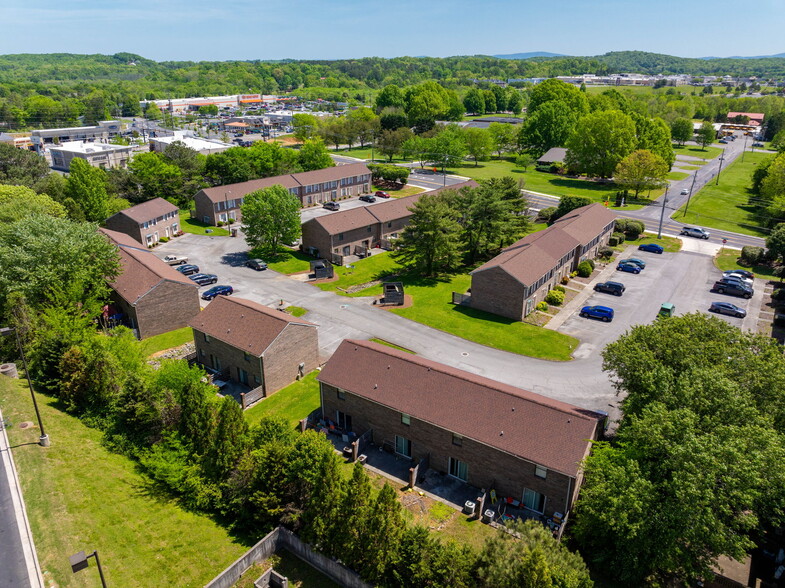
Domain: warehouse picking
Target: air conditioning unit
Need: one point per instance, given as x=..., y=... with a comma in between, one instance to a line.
x=469, y=507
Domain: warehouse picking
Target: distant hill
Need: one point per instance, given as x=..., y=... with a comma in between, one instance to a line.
x=748, y=57
x=529, y=55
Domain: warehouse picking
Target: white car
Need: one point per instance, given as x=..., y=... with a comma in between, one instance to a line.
x=684, y=192
x=738, y=276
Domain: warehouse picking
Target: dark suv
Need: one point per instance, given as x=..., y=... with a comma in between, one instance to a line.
x=733, y=287
x=616, y=288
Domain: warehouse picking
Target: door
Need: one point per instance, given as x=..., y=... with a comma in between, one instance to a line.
x=347, y=250
x=242, y=376
x=403, y=446
x=344, y=420
x=533, y=500
x=459, y=469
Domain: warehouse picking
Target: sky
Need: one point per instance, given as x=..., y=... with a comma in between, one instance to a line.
x=221, y=30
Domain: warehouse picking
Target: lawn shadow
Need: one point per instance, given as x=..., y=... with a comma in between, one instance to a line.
x=482, y=315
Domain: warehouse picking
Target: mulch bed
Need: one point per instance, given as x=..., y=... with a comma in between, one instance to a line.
x=407, y=303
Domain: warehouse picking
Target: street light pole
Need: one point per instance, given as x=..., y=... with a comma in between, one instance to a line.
x=79, y=562
x=43, y=440
x=662, y=213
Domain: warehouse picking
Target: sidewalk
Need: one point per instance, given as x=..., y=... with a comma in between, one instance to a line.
x=18, y=559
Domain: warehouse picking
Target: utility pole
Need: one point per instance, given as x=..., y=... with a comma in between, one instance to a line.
x=745, y=147
x=719, y=171
x=689, y=196
x=662, y=212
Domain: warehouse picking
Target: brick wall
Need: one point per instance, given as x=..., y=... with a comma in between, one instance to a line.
x=296, y=344
x=168, y=306
x=494, y=290
x=204, y=208
x=394, y=227
x=356, y=237
x=314, y=235
x=230, y=357
x=123, y=224
x=488, y=467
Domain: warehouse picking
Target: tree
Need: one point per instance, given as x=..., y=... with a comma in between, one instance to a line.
x=271, y=216
x=641, y=170
x=600, y=141
x=390, y=96
x=153, y=177
x=474, y=101
x=390, y=143
x=208, y=110
x=54, y=259
x=306, y=126
x=392, y=119
x=86, y=185
x=681, y=130
x=705, y=135
x=314, y=155
x=430, y=242
x=20, y=167
x=448, y=147
x=490, y=101
x=152, y=112
x=18, y=201
x=569, y=203
x=484, y=216
x=553, y=89
x=778, y=142
x=384, y=528
x=550, y=126
x=654, y=135
x=478, y=144
x=775, y=243
x=515, y=102
x=504, y=137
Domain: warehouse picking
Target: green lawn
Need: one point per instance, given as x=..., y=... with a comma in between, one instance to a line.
x=297, y=311
x=288, y=261
x=547, y=183
x=393, y=345
x=697, y=151
x=433, y=307
x=677, y=175
x=728, y=259
x=295, y=402
x=167, y=340
x=725, y=206
x=692, y=165
x=362, y=271
x=407, y=191
x=670, y=244
x=197, y=227
x=80, y=496
x=365, y=153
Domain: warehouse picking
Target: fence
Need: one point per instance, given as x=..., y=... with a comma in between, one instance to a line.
x=281, y=538
x=248, y=398
x=359, y=444
x=458, y=298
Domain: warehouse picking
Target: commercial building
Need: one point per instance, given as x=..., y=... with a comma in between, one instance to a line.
x=183, y=105
x=482, y=432
x=152, y=296
x=103, y=155
x=254, y=345
x=103, y=131
x=203, y=146
x=512, y=283
x=222, y=203
x=18, y=140
x=147, y=222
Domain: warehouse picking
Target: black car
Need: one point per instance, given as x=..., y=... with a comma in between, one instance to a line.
x=256, y=264
x=615, y=288
x=204, y=279
x=368, y=198
x=733, y=288
x=187, y=269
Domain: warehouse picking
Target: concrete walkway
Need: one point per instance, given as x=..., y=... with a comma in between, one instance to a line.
x=18, y=560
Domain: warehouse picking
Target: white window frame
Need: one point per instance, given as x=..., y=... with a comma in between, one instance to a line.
x=456, y=467
x=406, y=445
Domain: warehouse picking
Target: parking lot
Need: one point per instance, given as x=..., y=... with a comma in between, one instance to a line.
x=683, y=279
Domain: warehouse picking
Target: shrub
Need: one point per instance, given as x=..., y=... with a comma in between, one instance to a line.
x=605, y=252
x=752, y=255
x=164, y=239
x=219, y=224
x=555, y=298
x=231, y=220
x=778, y=294
x=565, y=280
x=573, y=274
x=620, y=238
x=559, y=288
x=546, y=213
x=591, y=263
x=634, y=229
x=542, y=305
x=584, y=269
x=620, y=225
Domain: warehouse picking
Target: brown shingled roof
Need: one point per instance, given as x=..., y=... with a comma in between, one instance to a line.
x=148, y=210
x=141, y=272
x=538, y=429
x=244, y=324
x=330, y=174
x=121, y=239
x=345, y=220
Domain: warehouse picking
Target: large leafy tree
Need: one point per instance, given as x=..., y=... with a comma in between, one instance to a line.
x=551, y=125
x=600, y=141
x=478, y=144
x=314, y=155
x=553, y=89
x=271, y=216
x=654, y=135
x=86, y=186
x=504, y=137
x=19, y=201
x=431, y=241
x=391, y=96
x=681, y=130
x=775, y=243
x=306, y=126
x=21, y=167
x=474, y=101
x=641, y=170
x=390, y=143
x=706, y=134
x=152, y=176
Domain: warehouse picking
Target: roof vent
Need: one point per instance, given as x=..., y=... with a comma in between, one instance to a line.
x=375, y=386
x=501, y=434
x=513, y=409
x=388, y=367
x=569, y=420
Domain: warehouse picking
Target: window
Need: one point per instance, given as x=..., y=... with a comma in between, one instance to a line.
x=256, y=380
x=341, y=394
x=457, y=440
x=533, y=500
x=459, y=469
x=389, y=225
x=206, y=338
x=406, y=419
x=340, y=236
x=247, y=356
x=369, y=229
x=540, y=472
x=403, y=446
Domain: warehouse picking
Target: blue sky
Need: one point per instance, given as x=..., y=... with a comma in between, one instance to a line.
x=333, y=29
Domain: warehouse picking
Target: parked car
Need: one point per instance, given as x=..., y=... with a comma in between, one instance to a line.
x=634, y=260
x=381, y=194
x=757, y=144
x=741, y=272
x=604, y=313
x=204, y=279
x=368, y=198
x=727, y=308
x=629, y=267
x=740, y=277
x=256, y=264
x=651, y=248
x=217, y=291
x=330, y=205
x=733, y=287
x=188, y=269
x=615, y=288
x=684, y=192
x=695, y=232
x=723, y=141
x=176, y=259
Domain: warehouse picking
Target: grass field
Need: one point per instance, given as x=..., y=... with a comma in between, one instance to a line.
x=407, y=191
x=167, y=340
x=80, y=496
x=296, y=311
x=697, y=151
x=288, y=261
x=362, y=271
x=197, y=227
x=684, y=166
x=724, y=206
x=728, y=259
x=295, y=402
x=669, y=244
x=677, y=175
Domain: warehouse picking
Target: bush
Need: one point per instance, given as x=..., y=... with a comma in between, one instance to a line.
x=565, y=280
x=231, y=220
x=778, y=294
x=752, y=255
x=546, y=213
x=542, y=305
x=634, y=229
x=584, y=269
x=616, y=239
x=555, y=298
x=573, y=274
x=605, y=252
x=620, y=225
x=164, y=239
x=219, y=224
x=591, y=263
x=559, y=288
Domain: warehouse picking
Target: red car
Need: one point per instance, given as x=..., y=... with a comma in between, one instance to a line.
x=380, y=194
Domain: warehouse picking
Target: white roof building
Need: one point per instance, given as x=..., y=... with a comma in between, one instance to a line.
x=203, y=146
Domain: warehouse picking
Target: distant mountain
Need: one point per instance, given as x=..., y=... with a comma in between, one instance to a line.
x=528, y=55
x=743, y=57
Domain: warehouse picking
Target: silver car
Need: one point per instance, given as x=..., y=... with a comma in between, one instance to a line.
x=695, y=232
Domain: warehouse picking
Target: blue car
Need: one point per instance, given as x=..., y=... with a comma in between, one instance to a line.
x=604, y=313
x=187, y=269
x=217, y=291
x=651, y=248
x=634, y=260
x=628, y=267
